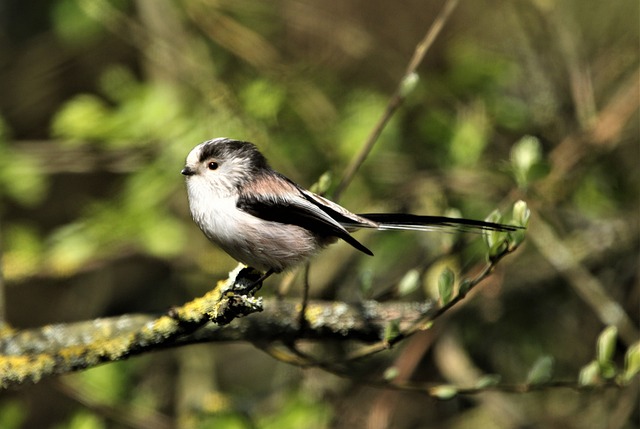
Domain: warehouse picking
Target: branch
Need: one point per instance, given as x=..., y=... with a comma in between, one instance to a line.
x=29, y=355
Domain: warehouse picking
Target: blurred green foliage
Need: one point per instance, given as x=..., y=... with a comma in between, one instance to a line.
x=103, y=99
x=83, y=420
x=20, y=179
x=12, y=414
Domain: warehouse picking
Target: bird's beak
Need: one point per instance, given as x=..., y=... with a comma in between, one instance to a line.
x=188, y=171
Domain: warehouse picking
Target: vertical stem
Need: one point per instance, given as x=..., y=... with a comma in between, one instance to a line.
x=397, y=98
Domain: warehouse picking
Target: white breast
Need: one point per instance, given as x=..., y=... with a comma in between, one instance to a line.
x=253, y=241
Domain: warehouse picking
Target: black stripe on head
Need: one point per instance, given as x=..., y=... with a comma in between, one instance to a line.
x=224, y=149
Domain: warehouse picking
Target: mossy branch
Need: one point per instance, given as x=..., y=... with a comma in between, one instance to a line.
x=29, y=355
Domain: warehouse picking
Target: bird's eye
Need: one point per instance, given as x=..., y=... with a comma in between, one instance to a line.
x=213, y=165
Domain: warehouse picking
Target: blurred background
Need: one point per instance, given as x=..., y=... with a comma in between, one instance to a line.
x=101, y=100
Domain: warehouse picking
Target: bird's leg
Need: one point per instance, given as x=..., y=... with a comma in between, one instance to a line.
x=249, y=274
x=258, y=283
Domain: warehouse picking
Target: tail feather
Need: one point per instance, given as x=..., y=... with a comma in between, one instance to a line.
x=391, y=221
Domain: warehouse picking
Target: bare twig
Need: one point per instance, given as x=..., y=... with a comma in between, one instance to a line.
x=433, y=389
x=426, y=322
x=300, y=358
x=587, y=286
x=398, y=96
x=602, y=135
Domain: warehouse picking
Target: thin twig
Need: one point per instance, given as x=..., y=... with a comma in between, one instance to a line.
x=586, y=285
x=398, y=96
x=422, y=324
x=297, y=357
x=446, y=391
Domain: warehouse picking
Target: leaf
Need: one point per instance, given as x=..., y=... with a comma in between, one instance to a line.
x=492, y=237
x=323, y=183
x=526, y=153
x=607, y=345
x=589, y=374
x=409, y=83
x=391, y=331
x=521, y=213
x=488, y=381
x=605, y=350
x=409, y=283
x=445, y=285
x=391, y=373
x=445, y=391
x=541, y=370
x=631, y=362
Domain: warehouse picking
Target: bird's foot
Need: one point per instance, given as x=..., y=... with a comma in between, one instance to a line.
x=249, y=281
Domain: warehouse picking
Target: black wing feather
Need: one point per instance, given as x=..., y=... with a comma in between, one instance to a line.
x=282, y=210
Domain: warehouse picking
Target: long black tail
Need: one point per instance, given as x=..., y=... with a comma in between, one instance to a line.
x=400, y=221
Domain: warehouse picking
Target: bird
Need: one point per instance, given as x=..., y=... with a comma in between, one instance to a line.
x=266, y=221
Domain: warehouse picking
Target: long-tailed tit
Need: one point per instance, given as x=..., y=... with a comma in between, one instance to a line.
x=264, y=220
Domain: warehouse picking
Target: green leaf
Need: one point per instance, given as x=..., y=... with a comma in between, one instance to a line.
x=608, y=370
x=521, y=213
x=631, y=362
x=445, y=285
x=410, y=283
x=541, y=370
x=391, y=373
x=607, y=345
x=492, y=237
x=526, y=153
x=409, y=83
x=445, y=391
x=589, y=374
x=391, y=330
x=323, y=183
x=488, y=381
x=499, y=247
